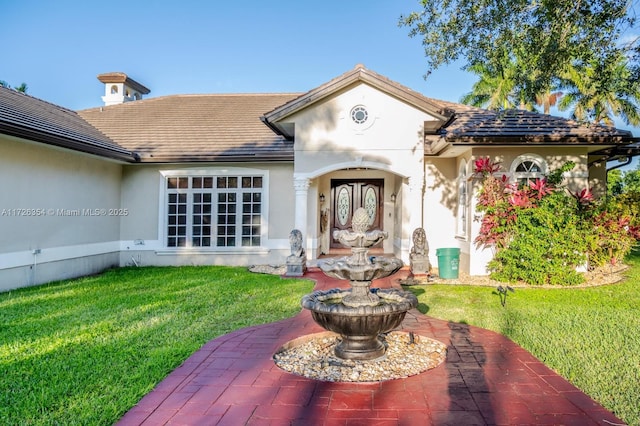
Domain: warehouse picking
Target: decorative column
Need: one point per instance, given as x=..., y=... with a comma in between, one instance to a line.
x=301, y=186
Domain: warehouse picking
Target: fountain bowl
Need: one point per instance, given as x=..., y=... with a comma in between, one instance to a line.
x=345, y=268
x=359, y=326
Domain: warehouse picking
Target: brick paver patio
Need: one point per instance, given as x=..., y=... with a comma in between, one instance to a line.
x=486, y=379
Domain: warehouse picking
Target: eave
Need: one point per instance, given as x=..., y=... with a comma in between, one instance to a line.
x=531, y=139
x=218, y=158
x=94, y=148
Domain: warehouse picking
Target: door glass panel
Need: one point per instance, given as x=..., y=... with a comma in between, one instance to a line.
x=371, y=204
x=343, y=205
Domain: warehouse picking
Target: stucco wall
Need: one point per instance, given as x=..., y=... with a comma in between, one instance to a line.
x=328, y=139
x=440, y=204
x=56, y=206
x=554, y=157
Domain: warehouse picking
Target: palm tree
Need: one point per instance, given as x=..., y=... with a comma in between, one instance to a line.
x=22, y=88
x=493, y=90
x=601, y=89
x=498, y=89
x=547, y=100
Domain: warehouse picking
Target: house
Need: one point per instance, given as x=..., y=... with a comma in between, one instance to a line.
x=224, y=178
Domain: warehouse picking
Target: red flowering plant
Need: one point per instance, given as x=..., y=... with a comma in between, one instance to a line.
x=483, y=166
x=583, y=197
x=493, y=202
x=500, y=199
x=541, y=237
x=521, y=223
x=615, y=227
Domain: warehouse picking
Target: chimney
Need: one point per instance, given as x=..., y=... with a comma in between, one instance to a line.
x=119, y=88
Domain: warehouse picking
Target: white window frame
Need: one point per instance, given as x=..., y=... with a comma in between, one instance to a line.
x=462, y=214
x=526, y=177
x=213, y=173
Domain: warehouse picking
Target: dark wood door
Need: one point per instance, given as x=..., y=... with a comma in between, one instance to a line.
x=349, y=195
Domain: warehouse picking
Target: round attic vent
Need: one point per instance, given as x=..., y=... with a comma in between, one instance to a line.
x=359, y=114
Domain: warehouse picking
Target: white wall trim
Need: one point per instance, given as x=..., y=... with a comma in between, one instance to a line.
x=54, y=254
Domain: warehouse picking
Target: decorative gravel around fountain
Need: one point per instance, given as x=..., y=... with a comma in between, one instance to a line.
x=313, y=357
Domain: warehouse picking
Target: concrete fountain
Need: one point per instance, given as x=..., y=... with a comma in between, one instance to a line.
x=359, y=314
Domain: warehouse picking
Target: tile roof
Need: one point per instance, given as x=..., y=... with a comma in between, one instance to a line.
x=30, y=118
x=188, y=128
x=475, y=126
x=459, y=124
x=231, y=127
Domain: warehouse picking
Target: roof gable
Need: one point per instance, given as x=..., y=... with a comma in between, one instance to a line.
x=360, y=74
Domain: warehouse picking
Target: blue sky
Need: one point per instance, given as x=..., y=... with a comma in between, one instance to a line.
x=196, y=46
x=59, y=47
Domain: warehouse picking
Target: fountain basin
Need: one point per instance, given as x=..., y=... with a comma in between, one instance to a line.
x=345, y=269
x=359, y=326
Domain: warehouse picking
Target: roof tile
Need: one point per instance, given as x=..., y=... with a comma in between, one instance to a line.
x=195, y=127
x=24, y=116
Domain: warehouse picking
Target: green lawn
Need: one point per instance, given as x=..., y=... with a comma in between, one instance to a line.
x=85, y=351
x=590, y=336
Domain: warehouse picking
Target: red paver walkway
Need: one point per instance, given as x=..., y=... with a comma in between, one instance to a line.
x=486, y=380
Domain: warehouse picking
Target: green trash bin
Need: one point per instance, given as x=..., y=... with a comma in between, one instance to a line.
x=448, y=261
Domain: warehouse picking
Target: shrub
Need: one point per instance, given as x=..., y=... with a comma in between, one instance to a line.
x=547, y=245
x=541, y=235
x=615, y=227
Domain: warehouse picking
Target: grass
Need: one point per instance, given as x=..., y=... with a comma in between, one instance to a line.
x=590, y=336
x=85, y=351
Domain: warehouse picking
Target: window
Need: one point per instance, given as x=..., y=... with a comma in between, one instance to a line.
x=528, y=168
x=463, y=208
x=114, y=89
x=214, y=211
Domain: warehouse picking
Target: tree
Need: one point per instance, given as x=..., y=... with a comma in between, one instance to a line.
x=615, y=182
x=493, y=90
x=548, y=99
x=496, y=88
x=623, y=182
x=631, y=180
x=22, y=88
x=601, y=89
x=544, y=36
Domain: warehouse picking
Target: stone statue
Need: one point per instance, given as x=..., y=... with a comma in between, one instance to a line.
x=297, y=260
x=419, y=256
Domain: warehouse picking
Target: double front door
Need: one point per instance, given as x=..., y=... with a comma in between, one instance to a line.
x=349, y=195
